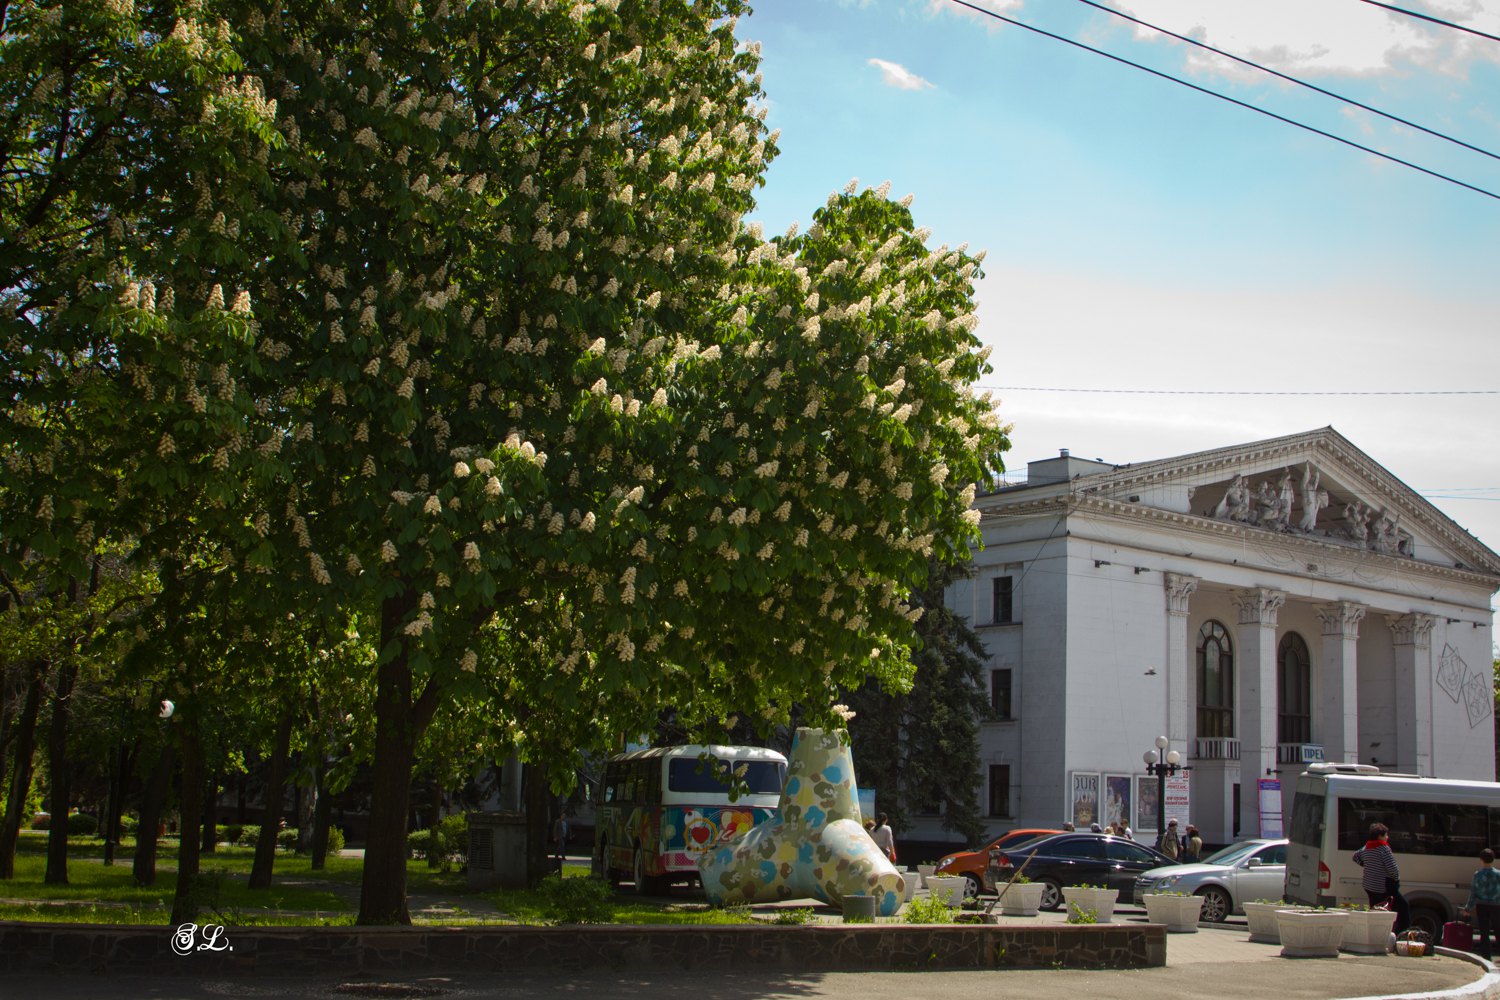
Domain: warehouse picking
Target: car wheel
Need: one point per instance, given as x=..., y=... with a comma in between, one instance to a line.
x=1216, y=905
x=1051, y=894
x=971, y=887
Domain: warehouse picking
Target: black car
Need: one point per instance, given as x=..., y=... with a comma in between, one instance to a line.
x=1079, y=859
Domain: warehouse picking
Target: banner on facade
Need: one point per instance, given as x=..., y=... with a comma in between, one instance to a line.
x=1178, y=800
x=1269, y=793
x=1084, y=805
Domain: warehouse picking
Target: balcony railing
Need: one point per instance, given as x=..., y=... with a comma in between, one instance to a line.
x=1216, y=748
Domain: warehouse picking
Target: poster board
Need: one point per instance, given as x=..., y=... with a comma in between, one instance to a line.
x=1268, y=795
x=1083, y=802
x=1146, y=793
x=1179, y=800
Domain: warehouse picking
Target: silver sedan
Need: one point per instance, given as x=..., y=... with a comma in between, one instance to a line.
x=1240, y=873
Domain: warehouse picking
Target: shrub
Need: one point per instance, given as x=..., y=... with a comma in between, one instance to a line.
x=927, y=910
x=41, y=821
x=794, y=917
x=1082, y=914
x=444, y=845
x=82, y=825
x=577, y=900
x=335, y=841
x=250, y=836
x=419, y=843
x=128, y=825
x=232, y=832
x=286, y=840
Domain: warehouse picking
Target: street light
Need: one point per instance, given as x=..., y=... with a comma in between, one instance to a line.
x=1162, y=762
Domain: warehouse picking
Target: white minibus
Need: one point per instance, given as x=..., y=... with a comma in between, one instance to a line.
x=1438, y=827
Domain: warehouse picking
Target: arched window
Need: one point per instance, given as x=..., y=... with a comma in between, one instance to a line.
x=1215, y=682
x=1293, y=690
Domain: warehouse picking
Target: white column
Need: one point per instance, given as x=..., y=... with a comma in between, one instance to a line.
x=1411, y=636
x=1180, y=701
x=1336, y=722
x=1255, y=660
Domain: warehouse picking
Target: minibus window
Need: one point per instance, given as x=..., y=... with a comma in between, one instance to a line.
x=1307, y=818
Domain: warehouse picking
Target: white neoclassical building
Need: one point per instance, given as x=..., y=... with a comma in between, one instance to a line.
x=1260, y=606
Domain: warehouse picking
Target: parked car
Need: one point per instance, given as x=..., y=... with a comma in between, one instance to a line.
x=1227, y=879
x=973, y=865
x=1080, y=859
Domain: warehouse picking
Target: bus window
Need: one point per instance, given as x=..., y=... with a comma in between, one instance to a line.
x=688, y=774
x=1445, y=829
x=1307, y=818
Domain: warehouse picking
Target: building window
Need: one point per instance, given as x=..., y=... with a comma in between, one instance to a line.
x=1215, y=682
x=1000, y=693
x=1000, y=790
x=1002, y=603
x=1293, y=690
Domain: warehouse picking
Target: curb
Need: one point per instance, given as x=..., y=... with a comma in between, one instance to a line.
x=1487, y=987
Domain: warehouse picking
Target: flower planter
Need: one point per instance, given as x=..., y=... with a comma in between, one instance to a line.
x=1368, y=932
x=911, y=878
x=1021, y=899
x=1262, y=920
x=925, y=872
x=947, y=888
x=1179, y=913
x=1311, y=933
x=860, y=909
x=1101, y=901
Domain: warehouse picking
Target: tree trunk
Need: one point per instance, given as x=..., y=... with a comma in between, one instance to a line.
x=538, y=795
x=210, y=844
x=321, y=812
x=382, y=893
x=185, y=900
x=152, y=804
x=58, y=768
x=265, y=846
x=120, y=765
x=20, y=780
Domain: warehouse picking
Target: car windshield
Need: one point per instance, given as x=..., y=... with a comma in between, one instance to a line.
x=1233, y=854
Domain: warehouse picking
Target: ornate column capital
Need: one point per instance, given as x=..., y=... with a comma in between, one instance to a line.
x=1341, y=618
x=1179, y=589
x=1258, y=605
x=1414, y=629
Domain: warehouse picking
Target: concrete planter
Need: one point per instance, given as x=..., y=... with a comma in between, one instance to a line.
x=948, y=888
x=1311, y=933
x=911, y=878
x=1101, y=901
x=1179, y=913
x=859, y=909
x=1262, y=920
x=1368, y=932
x=1021, y=899
x=925, y=872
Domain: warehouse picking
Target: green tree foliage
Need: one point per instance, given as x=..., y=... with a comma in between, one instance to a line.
x=920, y=748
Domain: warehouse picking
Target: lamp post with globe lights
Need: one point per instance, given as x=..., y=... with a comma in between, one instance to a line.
x=1162, y=762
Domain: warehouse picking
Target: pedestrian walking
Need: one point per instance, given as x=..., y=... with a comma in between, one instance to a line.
x=884, y=838
x=1484, y=904
x=1192, y=845
x=1382, y=876
x=1171, y=841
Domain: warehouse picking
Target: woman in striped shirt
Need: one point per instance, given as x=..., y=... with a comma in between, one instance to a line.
x=1382, y=877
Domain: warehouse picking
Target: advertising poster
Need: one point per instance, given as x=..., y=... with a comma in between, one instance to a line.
x=1178, y=799
x=1085, y=799
x=1145, y=802
x=1269, y=790
x=1117, y=799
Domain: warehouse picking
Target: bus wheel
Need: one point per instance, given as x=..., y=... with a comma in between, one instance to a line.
x=1429, y=921
x=644, y=884
x=611, y=873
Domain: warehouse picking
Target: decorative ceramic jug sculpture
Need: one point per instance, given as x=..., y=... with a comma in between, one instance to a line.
x=816, y=847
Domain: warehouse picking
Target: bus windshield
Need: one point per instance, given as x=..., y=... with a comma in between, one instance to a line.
x=690, y=774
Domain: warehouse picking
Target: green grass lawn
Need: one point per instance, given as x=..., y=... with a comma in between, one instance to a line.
x=99, y=893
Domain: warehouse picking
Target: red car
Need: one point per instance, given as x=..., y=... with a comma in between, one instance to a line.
x=972, y=865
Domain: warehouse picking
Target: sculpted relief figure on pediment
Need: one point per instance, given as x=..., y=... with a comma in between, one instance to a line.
x=1286, y=505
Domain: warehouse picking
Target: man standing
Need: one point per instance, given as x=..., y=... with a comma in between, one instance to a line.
x=1171, y=841
x=884, y=838
x=1484, y=903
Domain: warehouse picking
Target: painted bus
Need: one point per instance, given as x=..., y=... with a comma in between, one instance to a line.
x=659, y=809
x=1438, y=827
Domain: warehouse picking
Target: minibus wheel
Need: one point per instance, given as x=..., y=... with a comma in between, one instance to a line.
x=1429, y=921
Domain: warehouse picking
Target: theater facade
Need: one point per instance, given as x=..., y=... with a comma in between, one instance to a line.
x=1261, y=606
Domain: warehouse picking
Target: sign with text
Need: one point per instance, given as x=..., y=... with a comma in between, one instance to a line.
x=1269, y=792
x=1178, y=799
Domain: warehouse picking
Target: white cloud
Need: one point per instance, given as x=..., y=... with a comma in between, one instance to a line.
x=939, y=7
x=1301, y=38
x=898, y=76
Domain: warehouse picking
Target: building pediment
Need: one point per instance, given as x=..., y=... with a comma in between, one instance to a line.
x=1315, y=486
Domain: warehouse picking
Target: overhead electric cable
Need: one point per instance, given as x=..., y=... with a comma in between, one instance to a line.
x=1289, y=79
x=1434, y=20
x=1226, y=97
x=1249, y=392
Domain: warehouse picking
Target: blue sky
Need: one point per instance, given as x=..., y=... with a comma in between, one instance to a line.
x=1144, y=236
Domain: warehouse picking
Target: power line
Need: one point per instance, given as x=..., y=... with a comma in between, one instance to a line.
x=1434, y=20
x=1248, y=392
x=1225, y=97
x=1290, y=79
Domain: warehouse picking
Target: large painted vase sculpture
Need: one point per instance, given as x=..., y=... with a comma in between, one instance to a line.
x=815, y=848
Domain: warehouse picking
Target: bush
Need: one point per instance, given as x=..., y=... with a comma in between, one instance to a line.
x=82, y=825
x=927, y=910
x=443, y=846
x=249, y=836
x=232, y=832
x=577, y=900
x=128, y=825
x=419, y=843
x=286, y=840
x=335, y=841
x=41, y=821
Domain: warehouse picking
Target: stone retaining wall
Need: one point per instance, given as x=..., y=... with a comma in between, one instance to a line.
x=101, y=949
